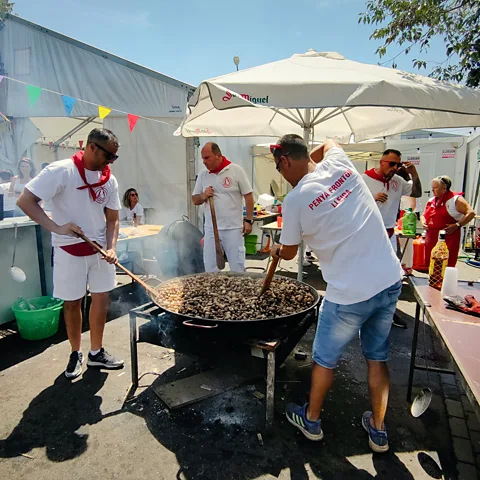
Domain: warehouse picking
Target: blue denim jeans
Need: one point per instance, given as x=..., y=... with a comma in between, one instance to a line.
x=339, y=324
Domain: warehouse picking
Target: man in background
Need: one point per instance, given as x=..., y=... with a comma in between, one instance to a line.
x=388, y=183
x=227, y=183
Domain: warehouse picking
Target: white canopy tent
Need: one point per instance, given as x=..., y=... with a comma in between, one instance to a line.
x=151, y=158
x=322, y=95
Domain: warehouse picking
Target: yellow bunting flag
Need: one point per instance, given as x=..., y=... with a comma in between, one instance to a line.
x=103, y=111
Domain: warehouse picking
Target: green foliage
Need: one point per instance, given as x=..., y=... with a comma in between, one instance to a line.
x=410, y=23
x=5, y=7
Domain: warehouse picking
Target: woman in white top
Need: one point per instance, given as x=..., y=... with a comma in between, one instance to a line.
x=133, y=209
x=26, y=172
x=8, y=198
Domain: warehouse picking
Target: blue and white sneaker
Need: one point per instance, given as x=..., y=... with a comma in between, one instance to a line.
x=377, y=439
x=297, y=416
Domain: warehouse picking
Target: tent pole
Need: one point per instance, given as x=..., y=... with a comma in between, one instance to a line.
x=307, y=129
x=191, y=149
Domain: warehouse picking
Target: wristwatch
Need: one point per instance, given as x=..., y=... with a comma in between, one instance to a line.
x=248, y=221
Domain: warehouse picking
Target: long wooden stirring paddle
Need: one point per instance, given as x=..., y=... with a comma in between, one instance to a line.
x=100, y=250
x=220, y=256
x=270, y=274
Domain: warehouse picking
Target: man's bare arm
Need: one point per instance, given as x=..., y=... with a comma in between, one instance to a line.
x=202, y=197
x=29, y=203
x=249, y=204
x=111, y=217
x=318, y=153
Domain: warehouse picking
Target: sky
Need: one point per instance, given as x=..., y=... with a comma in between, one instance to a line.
x=193, y=40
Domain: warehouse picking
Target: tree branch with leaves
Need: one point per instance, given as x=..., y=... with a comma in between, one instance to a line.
x=5, y=7
x=415, y=23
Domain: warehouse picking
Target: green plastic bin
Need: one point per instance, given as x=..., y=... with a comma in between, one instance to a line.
x=251, y=244
x=39, y=323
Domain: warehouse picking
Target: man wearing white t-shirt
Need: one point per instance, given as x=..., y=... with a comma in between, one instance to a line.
x=228, y=184
x=388, y=188
x=84, y=199
x=331, y=209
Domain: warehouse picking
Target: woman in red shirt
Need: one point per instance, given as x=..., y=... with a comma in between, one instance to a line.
x=447, y=211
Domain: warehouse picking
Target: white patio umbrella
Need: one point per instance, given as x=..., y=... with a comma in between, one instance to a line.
x=322, y=95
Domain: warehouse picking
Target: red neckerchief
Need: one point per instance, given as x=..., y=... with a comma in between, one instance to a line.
x=225, y=163
x=105, y=177
x=372, y=173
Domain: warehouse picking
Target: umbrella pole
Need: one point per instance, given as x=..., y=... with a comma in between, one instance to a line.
x=306, y=136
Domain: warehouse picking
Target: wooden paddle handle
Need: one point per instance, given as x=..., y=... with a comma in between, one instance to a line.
x=214, y=220
x=100, y=250
x=270, y=274
x=218, y=248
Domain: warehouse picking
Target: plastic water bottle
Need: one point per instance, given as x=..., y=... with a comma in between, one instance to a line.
x=409, y=223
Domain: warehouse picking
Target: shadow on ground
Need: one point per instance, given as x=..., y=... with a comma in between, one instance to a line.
x=16, y=350
x=58, y=419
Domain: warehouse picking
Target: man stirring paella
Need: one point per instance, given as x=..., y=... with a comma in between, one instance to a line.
x=331, y=209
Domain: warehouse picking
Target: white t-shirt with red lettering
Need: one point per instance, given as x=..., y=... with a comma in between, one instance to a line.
x=57, y=184
x=397, y=187
x=332, y=210
x=229, y=186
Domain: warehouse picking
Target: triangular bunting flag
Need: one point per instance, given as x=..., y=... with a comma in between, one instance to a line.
x=68, y=103
x=103, y=111
x=33, y=94
x=132, y=121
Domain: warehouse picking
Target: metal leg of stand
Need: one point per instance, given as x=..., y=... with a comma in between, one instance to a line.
x=404, y=250
x=301, y=249
x=270, y=389
x=133, y=353
x=413, y=353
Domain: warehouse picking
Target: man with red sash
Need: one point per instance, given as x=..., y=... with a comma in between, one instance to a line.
x=388, y=188
x=448, y=211
x=83, y=195
x=228, y=184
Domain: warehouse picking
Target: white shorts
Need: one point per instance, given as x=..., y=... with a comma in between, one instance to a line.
x=71, y=275
x=232, y=242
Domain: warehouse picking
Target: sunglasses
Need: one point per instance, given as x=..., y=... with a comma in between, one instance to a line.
x=394, y=164
x=275, y=150
x=134, y=194
x=111, y=157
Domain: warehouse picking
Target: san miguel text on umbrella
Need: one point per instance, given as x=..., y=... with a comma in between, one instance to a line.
x=246, y=96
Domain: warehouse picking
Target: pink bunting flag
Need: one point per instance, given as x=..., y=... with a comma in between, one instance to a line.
x=132, y=121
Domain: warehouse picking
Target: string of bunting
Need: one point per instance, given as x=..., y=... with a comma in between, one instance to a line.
x=34, y=93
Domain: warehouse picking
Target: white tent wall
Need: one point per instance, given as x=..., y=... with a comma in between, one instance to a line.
x=473, y=170
x=40, y=154
x=264, y=171
x=440, y=156
x=151, y=158
x=39, y=57
x=152, y=161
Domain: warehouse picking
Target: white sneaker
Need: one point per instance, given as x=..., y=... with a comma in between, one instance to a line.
x=305, y=262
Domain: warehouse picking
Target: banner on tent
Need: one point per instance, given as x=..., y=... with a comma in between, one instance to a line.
x=414, y=159
x=449, y=153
